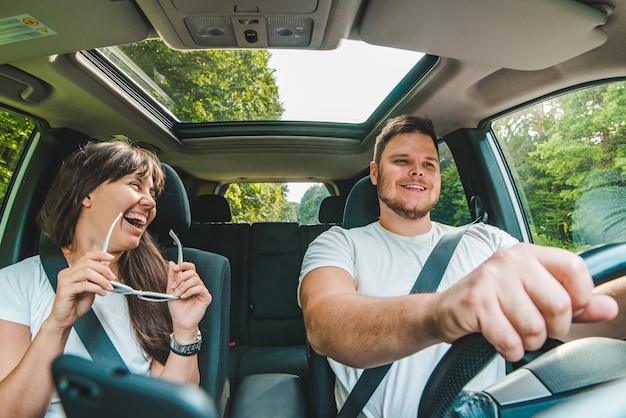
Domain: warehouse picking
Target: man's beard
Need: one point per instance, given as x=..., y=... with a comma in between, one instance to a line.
x=398, y=206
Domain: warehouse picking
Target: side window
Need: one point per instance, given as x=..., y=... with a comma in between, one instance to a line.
x=275, y=202
x=15, y=130
x=567, y=156
x=452, y=208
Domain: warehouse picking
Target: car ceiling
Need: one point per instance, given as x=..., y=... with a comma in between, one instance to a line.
x=493, y=56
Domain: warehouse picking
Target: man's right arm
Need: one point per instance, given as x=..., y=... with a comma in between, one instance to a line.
x=516, y=299
x=361, y=331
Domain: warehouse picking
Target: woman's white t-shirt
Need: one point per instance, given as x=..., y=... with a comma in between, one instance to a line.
x=26, y=297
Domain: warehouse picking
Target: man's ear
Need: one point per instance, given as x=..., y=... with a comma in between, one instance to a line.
x=87, y=202
x=373, y=172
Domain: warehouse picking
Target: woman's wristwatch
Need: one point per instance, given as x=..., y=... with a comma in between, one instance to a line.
x=186, y=349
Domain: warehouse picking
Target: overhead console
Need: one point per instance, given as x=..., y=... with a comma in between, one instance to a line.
x=202, y=24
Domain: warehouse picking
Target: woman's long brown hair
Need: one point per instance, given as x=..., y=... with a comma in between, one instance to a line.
x=143, y=267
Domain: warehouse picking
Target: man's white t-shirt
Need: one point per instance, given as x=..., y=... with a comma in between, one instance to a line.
x=26, y=297
x=384, y=264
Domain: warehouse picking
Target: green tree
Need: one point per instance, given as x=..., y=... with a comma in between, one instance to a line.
x=213, y=85
x=451, y=209
x=15, y=130
x=555, y=146
x=310, y=204
x=260, y=202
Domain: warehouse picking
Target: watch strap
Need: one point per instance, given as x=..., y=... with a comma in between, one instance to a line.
x=186, y=349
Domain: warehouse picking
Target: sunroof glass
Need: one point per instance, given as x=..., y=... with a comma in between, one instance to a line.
x=342, y=85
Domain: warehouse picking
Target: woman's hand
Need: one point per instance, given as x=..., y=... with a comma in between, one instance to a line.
x=194, y=298
x=78, y=285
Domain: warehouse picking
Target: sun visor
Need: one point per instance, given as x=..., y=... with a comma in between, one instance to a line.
x=521, y=35
x=35, y=28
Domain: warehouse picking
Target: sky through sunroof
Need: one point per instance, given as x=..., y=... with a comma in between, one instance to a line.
x=342, y=85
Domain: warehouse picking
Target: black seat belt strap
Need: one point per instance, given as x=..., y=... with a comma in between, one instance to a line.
x=427, y=282
x=88, y=327
x=437, y=262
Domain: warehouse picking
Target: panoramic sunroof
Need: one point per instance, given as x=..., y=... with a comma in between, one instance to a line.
x=344, y=85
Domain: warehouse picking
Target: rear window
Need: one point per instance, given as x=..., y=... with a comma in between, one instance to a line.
x=276, y=202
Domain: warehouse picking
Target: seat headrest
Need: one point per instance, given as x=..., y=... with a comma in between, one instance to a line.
x=172, y=206
x=362, y=206
x=331, y=210
x=210, y=208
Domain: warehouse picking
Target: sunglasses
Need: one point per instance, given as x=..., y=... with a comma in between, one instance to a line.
x=146, y=295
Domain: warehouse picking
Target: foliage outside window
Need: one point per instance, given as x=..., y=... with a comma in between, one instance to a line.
x=15, y=130
x=452, y=208
x=267, y=202
x=193, y=85
x=309, y=206
x=567, y=156
x=252, y=85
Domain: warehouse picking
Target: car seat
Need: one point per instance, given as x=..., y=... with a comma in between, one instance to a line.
x=173, y=212
x=361, y=209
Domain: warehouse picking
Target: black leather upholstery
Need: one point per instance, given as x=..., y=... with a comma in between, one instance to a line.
x=331, y=210
x=270, y=395
x=362, y=205
x=273, y=318
x=361, y=209
x=210, y=208
x=173, y=212
x=232, y=240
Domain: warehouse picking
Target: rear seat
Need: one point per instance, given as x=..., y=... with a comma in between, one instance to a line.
x=330, y=213
x=276, y=327
x=212, y=231
x=331, y=210
x=267, y=328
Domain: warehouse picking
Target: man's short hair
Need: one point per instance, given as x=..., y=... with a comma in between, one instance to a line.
x=400, y=125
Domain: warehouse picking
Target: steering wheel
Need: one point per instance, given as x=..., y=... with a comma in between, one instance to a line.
x=470, y=354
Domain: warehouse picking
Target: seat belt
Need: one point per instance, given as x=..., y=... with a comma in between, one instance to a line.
x=88, y=327
x=427, y=282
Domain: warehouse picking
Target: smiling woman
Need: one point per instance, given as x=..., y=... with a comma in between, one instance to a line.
x=101, y=181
